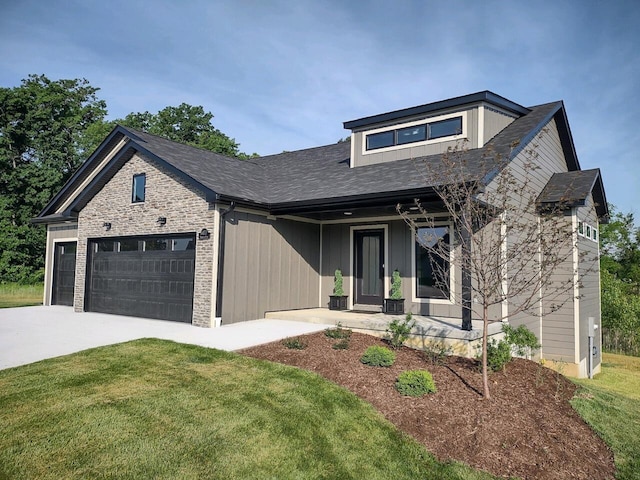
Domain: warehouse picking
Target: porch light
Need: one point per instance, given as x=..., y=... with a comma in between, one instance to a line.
x=161, y=221
x=348, y=213
x=106, y=226
x=204, y=234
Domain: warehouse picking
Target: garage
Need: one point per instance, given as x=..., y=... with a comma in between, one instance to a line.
x=149, y=277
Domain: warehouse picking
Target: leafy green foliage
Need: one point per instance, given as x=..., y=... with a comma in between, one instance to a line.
x=338, y=332
x=523, y=340
x=41, y=124
x=415, y=383
x=436, y=352
x=295, y=343
x=337, y=283
x=498, y=355
x=398, y=330
x=396, y=285
x=341, y=344
x=377, y=356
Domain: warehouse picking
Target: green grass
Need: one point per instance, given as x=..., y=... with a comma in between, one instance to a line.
x=158, y=409
x=610, y=403
x=16, y=295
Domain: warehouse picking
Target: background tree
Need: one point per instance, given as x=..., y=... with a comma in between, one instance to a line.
x=41, y=126
x=620, y=283
x=47, y=129
x=506, y=249
x=185, y=123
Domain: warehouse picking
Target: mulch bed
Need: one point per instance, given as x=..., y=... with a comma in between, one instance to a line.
x=528, y=429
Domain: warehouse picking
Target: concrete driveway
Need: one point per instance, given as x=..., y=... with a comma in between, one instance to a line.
x=29, y=334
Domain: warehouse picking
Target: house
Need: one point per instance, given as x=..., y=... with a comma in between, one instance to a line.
x=152, y=228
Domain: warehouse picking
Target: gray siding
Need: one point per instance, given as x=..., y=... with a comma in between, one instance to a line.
x=494, y=122
x=54, y=233
x=416, y=151
x=335, y=255
x=589, y=271
x=269, y=265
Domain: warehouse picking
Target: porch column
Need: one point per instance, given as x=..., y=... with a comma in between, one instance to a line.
x=465, y=245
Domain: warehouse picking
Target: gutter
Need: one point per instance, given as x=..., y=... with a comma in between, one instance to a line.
x=221, y=235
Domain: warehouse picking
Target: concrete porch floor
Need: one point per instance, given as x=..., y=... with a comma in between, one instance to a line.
x=428, y=331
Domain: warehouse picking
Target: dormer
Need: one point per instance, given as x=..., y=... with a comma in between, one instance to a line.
x=469, y=121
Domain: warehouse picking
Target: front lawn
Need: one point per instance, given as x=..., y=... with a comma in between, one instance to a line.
x=610, y=403
x=157, y=409
x=16, y=295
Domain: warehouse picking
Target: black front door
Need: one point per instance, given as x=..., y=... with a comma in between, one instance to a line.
x=64, y=273
x=369, y=266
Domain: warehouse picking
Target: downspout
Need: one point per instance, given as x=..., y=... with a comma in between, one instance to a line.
x=221, y=236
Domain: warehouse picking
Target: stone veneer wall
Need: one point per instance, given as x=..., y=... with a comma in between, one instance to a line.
x=166, y=195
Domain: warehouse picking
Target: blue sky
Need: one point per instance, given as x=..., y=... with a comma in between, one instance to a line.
x=284, y=75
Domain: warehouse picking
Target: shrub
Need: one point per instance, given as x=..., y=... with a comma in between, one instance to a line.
x=378, y=357
x=522, y=339
x=294, y=343
x=396, y=285
x=341, y=345
x=415, y=383
x=338, y=332
x=337, y=283
x=436, y=352
x=399, y=331
x=498, y=355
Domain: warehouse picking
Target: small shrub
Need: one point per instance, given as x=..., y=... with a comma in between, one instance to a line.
x=294, y=343
x=378, y=357
x=522, y=339
x=436, y=352
x=396, y=285
x=337, y=283
x=399, y=331
x=341, y=345
x=338, y=332
x=498, y=355
x=415, y=383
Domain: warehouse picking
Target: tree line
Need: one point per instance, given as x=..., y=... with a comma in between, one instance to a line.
x=47, y=129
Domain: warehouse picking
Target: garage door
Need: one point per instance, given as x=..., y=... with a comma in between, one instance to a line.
x=64, y=273
x=150, y=277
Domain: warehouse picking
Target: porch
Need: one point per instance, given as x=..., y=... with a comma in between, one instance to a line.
x=429, y=331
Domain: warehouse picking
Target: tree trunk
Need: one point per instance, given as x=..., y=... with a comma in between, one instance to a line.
x=485, y=342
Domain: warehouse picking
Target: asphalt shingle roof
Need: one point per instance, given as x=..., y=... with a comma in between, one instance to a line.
x=569, y=188
x=324, y=172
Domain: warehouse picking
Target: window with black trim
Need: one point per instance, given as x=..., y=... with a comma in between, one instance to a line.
x=138, y=189
x=432, y=272
x=417, y=133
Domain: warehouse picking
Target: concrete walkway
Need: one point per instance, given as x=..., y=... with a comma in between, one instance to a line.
x=30, y=334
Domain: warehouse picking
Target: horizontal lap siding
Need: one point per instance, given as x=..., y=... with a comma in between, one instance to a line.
x=269, y=265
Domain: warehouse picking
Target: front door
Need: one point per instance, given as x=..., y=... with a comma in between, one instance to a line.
x=369, y=266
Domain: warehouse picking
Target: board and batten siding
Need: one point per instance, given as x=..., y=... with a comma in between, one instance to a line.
x=269, y=265
x=335, y=255
x=55, y=233
x=494, y=122
x=409, y=151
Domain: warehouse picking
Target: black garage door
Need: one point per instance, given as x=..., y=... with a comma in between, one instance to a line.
x=64, y=273
x=150, y=277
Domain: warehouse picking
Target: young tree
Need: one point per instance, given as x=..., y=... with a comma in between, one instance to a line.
x=514, y=258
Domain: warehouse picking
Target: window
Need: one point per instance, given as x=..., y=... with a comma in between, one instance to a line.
x=581, y=229
x=139, y=181
x=417, y=133
x=594, y=233
x=183, y=244
x=128, y=246
x=156, y=244
x=588, y=231
x=445, y=128
x=104, y=246
x=432, y=272
x=380, y=140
